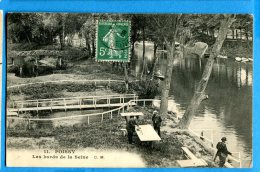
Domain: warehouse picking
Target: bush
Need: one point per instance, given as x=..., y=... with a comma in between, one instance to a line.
x=118, y=87
x=44, y=70
x=13, y=69
x=51, y=90
x=145, y=89
x=205, y=38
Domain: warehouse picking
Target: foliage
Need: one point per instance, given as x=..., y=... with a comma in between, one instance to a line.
x=118, y=87
x=52, y=90
x=42, y=28
x=145, y=89
x=25, y=27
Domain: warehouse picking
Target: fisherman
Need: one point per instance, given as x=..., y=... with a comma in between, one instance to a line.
x=130, y=127
x=157, y=120
x=222, y=152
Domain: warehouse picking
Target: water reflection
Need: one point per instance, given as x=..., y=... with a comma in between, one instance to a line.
x=228, y=111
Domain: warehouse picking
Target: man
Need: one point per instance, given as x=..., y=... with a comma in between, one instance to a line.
x=157, y=120
x=222, y=152
x=130, y=127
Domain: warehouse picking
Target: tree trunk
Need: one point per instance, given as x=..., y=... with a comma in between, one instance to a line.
x=170, y=46
x=28, y=39
x=61, y=42
x=89, y=50
x=132, y=59
x=126, y=77
x=62, y=33
x=93, y=48
x=199, y=94
x=154, y=61
x=144, y=61
x=248, y=44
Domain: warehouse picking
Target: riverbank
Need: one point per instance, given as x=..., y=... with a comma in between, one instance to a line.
x=107, y=136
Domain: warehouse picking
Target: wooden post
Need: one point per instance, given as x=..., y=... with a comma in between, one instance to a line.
x=239, y=156
x=37, y=106
x=29, y=123
x=102, y=117
x=65, y=105
x=144, y=103
x=211, y=133
x=51, y=105
x=111, y=115
x=88, y=120
x=80, y=100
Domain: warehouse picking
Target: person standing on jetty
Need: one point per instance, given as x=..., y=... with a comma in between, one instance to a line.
x=130, y=127
x=222, y=152
x=157, y=120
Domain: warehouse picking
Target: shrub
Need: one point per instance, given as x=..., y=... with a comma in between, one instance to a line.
x=13, y=69
x=118, y=87
x=145, y=89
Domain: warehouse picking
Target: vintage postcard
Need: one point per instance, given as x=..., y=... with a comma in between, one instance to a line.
x=129, y=90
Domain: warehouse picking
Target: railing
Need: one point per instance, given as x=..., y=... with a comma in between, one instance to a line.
x=201, y=135
x=71, y=103
x=236, y=159
x=109, y=81
x=102, y=114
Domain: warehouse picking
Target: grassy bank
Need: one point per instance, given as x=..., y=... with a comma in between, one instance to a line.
x=106, y=136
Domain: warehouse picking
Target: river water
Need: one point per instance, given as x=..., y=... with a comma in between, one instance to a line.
x=228, y=111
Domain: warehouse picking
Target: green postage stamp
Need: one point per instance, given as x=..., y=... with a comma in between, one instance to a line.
x=113, y=41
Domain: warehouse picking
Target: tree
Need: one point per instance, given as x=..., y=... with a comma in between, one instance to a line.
x=25, y=27
x=166, y=29
x=199, y=94
x=88, y=30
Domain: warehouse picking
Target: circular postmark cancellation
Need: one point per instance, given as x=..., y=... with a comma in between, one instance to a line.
x=113, y=41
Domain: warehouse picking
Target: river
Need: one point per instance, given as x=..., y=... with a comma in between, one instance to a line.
x=228, y=111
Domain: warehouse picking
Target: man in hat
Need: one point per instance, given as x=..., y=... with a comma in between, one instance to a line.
x=157, y=120
x=222, y=152
x=130, y=127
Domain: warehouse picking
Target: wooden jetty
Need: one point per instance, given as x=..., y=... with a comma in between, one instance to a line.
x=72, y=103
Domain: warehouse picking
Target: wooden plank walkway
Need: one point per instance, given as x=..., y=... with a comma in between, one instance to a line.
x=66, y=107
x=72, y=103
x=193, y=161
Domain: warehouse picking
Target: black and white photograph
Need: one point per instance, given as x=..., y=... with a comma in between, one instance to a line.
x=129, y=90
